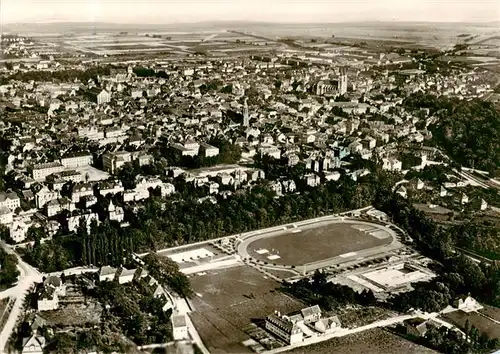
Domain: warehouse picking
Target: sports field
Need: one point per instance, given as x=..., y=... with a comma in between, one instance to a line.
x=308, y=244
x=228, y=300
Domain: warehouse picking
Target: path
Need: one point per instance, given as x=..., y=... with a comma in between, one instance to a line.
x=182, y=307
x=345, y=332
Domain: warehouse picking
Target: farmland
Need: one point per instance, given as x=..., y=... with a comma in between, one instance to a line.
x=228, y=300
x=312, y=244
x=215, y=42
x=483, y=324
x=375, y=341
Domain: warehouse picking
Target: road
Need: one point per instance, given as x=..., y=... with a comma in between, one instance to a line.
x=27, y=278
x=345, y=331
x=474, y=181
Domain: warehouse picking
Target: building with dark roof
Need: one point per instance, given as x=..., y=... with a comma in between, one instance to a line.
x=284, y=328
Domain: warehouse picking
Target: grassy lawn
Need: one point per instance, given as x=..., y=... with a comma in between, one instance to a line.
x=228, y=300
x=374, y=341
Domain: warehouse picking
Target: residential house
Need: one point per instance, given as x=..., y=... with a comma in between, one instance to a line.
x=325, y=325
x=188, y=148
x=107, y=273
x=48, y=300
x=312, y=180
x=6, y=216
x=86, y=218
x=33, y=344
x=56, y=206
x=80, y=191
x=276, y=187
x=416, y=326
x=113, y=161
x=332, y=176
x=126, y=275
x=311, y=314
x=179, y=327
x=208, y=150
x=116, y=213
x=44, y=195
x=391, y=164
x=9, y=200
x=110, y=187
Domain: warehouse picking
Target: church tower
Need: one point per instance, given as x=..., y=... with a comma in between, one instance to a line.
x=343, y=81
x=246, y=118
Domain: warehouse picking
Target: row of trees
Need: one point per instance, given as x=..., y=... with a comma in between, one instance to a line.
x=327, y=294
x=182, y=219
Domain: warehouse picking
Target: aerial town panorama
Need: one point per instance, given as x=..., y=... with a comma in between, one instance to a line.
x=250, y=188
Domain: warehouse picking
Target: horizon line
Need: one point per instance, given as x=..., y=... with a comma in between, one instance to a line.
x=48, y=22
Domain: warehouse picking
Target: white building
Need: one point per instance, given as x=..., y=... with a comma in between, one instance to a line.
x=6, y=216
x=103, y=97
x=126, y=275
x=179, y=327
x=113, y=161
x=56, y=206
x=77, y=161
x=74, y=221
x=9, y=200
x=33, y=344
x=44, y=195
x=392, y=164
x=107, y=273
x=40, y=171
x=19, y=228
x=209, y=150
x=80, y=191
x=116, y=213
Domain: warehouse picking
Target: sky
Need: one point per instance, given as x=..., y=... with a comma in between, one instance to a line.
x=172, y=11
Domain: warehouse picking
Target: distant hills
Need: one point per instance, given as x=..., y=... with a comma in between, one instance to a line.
x=79, y=27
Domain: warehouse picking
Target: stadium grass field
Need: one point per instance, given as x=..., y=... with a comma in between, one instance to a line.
x=309, y=244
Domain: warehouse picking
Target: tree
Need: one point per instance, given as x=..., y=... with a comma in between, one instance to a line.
x=8, y=269
x=128, y=173
x=167, y=271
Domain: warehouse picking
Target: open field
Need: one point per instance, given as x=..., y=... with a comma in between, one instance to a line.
x=375, y=341
x=458, y=318
x=354, y=316
x=490, y=311
x=174, y=42
x=308, y=244
x=228, y=300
